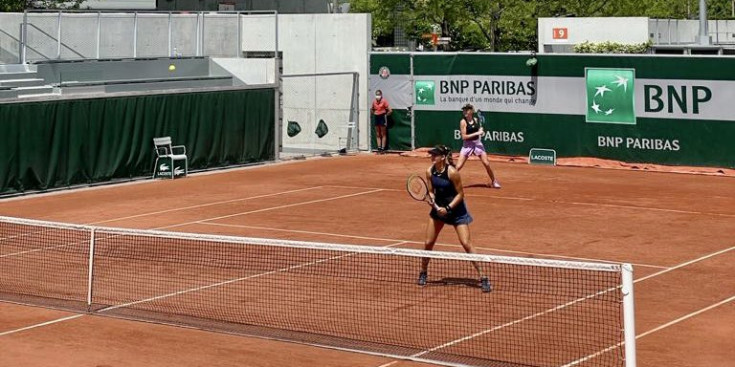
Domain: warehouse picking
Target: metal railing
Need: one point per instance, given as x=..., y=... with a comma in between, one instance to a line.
x=13, y=38
x=71, y=35
x=684, y=32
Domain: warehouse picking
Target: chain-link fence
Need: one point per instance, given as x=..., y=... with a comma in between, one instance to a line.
x=221, y=34
x=104, y=35
x=181, y=26
x=10, y=35
x=319, y=113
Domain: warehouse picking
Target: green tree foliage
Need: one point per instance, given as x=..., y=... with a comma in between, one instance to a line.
x=612, y=48
x=12, y=5
x=20, y=5
x=507, y=25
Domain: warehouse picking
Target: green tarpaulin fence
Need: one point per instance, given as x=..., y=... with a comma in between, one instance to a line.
x=653, y=109
x=50, y=144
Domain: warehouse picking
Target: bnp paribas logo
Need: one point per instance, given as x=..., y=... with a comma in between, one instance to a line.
x=424, y=91
x=610, y=95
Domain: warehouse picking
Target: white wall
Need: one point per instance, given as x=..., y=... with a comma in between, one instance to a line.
x=622, y=30
x=633, y=30
x=245, y=71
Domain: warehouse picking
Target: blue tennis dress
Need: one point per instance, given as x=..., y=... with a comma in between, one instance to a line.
x=444, y=192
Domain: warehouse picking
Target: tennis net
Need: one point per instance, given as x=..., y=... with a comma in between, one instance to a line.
x=539, y=313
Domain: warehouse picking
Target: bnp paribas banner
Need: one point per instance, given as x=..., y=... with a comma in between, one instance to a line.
x=670, y=110
x=602, y=96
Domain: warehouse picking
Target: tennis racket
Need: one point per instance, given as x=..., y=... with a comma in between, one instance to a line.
x=480, y=119
x=418, y=189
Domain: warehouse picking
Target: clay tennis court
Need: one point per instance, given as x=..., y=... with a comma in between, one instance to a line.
x=676, y=229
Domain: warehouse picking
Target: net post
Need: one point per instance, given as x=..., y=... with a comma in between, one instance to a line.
x=24, y=38
x=58, y=35
x=275, y=38
x=91, y=270
x=168, y=37
x=356, y=138
x=370, y=94
x=199, y=34
x=628, y=315
x=202, y=32
x=278, y=91
x=239, y=36
x=413, y=102
x=99, y=34
x=135, y=34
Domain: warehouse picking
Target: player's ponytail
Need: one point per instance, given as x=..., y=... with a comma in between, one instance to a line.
x=447, y=152
x=450, y=160
x=465, y=108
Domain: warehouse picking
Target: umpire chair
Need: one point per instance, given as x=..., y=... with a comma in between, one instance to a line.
x=167, y=152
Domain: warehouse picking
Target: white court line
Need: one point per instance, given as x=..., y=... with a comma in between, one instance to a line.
x=670, y=323
x=206, y=205
x=35, y=249
x=214, y=285
x=518, y=198
x=483, y=332
x=152, y=213
x=144, y=180
x=199, y=206
x=255, y=211
x=645, y=208
x=38, y=249
x=620, y=206
x=164, y=211
x=202, y=221
x=593, y=355
x=419, y=242
x=686, y=317
x=217, y=284
x=215, y=218
x=463, y=339
x=191, y=290
x=705, y=257
x=41, y=324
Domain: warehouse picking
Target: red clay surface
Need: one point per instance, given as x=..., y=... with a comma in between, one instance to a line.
x=677, y=229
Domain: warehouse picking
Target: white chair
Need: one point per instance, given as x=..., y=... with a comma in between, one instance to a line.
x=164, y=150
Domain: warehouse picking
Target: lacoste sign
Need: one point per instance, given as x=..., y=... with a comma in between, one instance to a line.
x=542, y=156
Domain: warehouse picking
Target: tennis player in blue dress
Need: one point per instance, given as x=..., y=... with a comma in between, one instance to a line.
x=445, y=189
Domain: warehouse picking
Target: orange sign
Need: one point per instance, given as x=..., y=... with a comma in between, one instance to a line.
x=560, y=34
x=432, y=36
